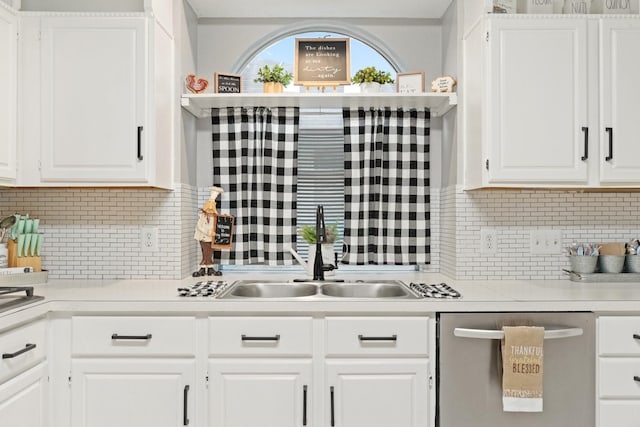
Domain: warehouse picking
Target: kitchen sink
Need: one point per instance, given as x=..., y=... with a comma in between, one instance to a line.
x=272, y=290
x=366, y=290
x=379, y=289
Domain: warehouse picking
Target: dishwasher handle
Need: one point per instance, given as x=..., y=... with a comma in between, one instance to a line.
x=550, y=333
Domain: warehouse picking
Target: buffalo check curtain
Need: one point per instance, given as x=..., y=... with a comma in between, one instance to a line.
x=255, y=162
x=386, y=186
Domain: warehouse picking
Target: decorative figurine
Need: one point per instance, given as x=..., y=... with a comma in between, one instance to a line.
x=204, y=234
x=196, y=84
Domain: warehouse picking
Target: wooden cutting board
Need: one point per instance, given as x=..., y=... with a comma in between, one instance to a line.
x=612, y=248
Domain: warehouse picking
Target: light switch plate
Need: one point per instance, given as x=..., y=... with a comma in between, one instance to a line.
x=546, y=242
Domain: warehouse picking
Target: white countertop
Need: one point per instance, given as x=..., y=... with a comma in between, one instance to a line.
x=160, y=296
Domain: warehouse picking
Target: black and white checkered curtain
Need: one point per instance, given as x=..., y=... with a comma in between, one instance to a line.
x=255, y=162
x=386, y=186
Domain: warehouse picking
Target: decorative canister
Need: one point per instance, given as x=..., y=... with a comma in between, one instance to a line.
x=577, y=6
x=611, y=263
x=583, y=263
x=607, y=7
x=632, y=263
x=538, y=6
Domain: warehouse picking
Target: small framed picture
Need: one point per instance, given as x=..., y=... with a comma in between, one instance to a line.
x=411, y=82
x=227, y=83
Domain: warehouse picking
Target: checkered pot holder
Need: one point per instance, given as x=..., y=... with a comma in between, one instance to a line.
x=386, y=186
x=255, y=162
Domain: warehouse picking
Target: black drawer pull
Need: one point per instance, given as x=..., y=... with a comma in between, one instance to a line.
x=140, y=128
x=273, y=338
x=393, y=337
x=636, y=336
x=28, y=347
x=131, y=337
x=185, y=401
x=636, y=378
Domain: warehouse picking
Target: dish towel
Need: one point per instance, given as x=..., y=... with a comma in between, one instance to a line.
x=522, y=358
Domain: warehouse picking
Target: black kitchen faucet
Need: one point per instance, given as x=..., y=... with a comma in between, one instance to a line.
x=319, y=266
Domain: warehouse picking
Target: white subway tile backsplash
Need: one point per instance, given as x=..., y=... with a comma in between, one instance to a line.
x=93, y=233
x=588, y=217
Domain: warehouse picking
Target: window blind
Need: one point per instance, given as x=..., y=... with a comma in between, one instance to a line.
x=320, y=172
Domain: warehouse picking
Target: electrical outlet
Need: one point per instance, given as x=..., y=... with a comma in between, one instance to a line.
x=488, y=241
x=149, y=239
x=546, y=242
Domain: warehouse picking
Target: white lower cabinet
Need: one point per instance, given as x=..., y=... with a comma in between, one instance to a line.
x=619, y=371
x=377, y=393
x=133, y=371
x=260, y=393
x=23, y=399
x=350, y=371
x=131, y=393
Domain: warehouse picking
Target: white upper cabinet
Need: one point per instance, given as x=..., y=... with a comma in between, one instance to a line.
x=537, y=99
x=8, y=95
x=620, y=101
x=93, y=99
x=544, y=95
x=97, y=101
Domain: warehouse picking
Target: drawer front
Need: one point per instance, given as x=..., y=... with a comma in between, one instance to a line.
x=249, y=336
x=617, y=335
x=379, y=336
x=620, y=378
x=22, y=348
x=133, y=336
x=619, y=414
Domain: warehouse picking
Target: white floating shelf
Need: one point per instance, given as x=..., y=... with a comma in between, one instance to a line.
x=438, y=103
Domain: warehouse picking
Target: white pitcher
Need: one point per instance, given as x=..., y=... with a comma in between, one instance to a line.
x=328, y=257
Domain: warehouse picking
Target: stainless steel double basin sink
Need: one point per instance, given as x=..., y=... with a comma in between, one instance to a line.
x=380, y=289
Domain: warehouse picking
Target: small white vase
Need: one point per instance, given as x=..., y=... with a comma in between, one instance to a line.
x=370, y=87
x=328, y=257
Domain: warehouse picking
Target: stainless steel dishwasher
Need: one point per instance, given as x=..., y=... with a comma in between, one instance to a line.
x=470, y=371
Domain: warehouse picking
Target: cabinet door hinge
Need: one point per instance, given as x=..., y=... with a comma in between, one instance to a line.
x=206, y=381
x=487, y=36
x=69, y=378
x=486, y=164
x=430, y=382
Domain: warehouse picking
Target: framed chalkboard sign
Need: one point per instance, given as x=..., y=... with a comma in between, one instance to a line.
x=228, y=83
x=222, y=231
x=322, y=62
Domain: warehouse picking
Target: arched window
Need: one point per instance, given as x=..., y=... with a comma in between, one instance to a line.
x=282, y=52
x=321, y=138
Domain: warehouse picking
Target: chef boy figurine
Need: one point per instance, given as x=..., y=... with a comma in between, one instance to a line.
x=204, y=234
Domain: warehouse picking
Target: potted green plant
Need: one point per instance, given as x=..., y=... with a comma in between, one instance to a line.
x=370, y=79
x=273, y=78
x=308, y=234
